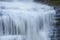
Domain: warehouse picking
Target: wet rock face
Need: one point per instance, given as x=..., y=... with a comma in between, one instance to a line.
x=58, y=22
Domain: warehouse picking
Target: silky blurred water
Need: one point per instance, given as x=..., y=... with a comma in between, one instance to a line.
x=26, y=21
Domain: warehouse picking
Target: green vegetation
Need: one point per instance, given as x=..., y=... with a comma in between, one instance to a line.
x=55, y=2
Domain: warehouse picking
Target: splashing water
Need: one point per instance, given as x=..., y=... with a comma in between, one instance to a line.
x=26, y=21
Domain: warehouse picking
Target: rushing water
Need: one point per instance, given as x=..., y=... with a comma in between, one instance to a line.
x=26, y=21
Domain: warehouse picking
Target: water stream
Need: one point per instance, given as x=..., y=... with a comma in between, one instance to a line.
x=26, y=21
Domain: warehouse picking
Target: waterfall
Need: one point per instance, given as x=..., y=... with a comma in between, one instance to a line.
x=26, y=21
x=18, y=0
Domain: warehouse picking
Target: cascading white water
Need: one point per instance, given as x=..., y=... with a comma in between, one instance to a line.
x=23, y=0
x=25, y=21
